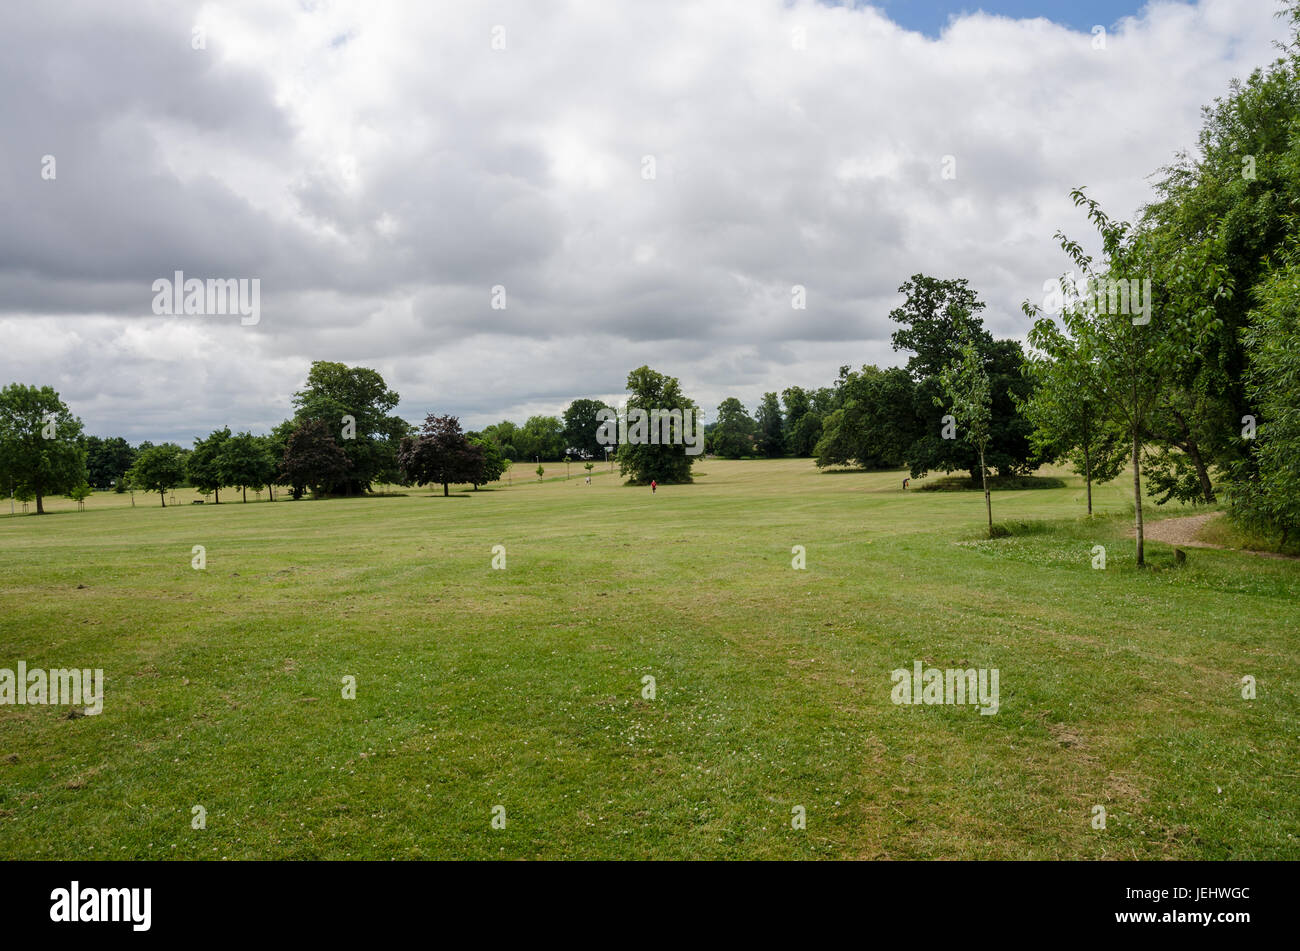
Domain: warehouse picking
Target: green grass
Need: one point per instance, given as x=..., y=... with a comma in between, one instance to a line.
x=522, y=687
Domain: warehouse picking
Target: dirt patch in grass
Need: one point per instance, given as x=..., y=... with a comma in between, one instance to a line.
x=1185, y=531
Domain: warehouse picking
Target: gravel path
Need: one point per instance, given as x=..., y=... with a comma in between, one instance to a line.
x=1181, y=530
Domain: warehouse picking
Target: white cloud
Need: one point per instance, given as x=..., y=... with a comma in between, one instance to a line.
x=380, y=167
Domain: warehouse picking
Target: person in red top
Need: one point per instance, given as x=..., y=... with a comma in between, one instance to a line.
x=653, y=485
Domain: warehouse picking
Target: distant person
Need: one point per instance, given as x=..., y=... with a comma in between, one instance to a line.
x=588, y=480
x=653, y=486
x=905, y=484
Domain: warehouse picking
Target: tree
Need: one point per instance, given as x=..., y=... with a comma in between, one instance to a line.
x=79, y=494
x=160, y=469
x=1066, y=417
x=937, y=318
x=107, y=460
x=492, y=465
x=245, y=460
x=770, y=440
x=542, y=438
x=580, y=426
x=202, y=466
x=40, y=443
x=1266, y=494
x=665, y=462
x=733, y=432
x=875, y=423
x=1131, y=360
x=356, y=404
x=965, y=383
x=1229, y=203
x=312, y=459
x=441, y=453
x=506, y=436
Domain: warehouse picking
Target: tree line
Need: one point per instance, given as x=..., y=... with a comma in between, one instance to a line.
x=343, y=439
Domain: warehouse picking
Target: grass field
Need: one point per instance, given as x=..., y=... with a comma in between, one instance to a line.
x=522, y=687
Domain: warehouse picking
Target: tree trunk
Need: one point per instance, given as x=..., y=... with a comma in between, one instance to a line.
x=1137, y=500
x=1087, y=475
x=988, y=502
x=40, y=507
x=162, y=496
x=245, y=488
x=1207, y=488
x=217, y=493
x=445, y=493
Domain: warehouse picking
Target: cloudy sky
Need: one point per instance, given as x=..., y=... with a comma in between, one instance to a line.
x=381, y=166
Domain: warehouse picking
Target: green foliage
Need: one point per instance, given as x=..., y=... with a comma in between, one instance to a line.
x=769, y=430
x=441, y=454
x=492, y=465
x=159, y=469
x=40, y=443
x=580, y=426
x=663, y=463
x=335, y=391
x=107, y=460
x=203, y=464
x=734, y=430
x=938, y=318
x=246, y=461
x=311, y=459
x=1265, y=496
x=875, y=424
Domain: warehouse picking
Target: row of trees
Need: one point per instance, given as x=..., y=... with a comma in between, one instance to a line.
x=342, y=439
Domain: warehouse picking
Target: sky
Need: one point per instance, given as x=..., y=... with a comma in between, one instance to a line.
x=931, y=16
x=637, y=183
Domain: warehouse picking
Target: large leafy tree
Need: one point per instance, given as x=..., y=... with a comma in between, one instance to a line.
x=580, y=426
x=1230, y=204
x=40, y=443
x=663, y=463
x=875, y=425
x=802, y=424
x=493, y=464
x=160, y=469
x=935, y=317
x=733, y=431
x=541, y=438
x=246, y=460
x=335, y=391
x=440, y=453
x=770, y=432
x=1265, y=495
x=938, y=318
x=506, y=436
x=311, y=459
x=203, y=469
x=107, y=460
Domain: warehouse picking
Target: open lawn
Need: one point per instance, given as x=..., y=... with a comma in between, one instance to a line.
x=523, y=687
